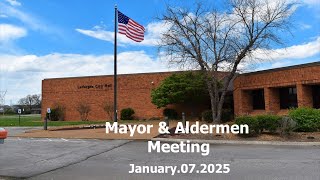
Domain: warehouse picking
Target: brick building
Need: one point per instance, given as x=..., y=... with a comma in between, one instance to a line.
x=269, y=91
x=276, y=90
x=134, y=91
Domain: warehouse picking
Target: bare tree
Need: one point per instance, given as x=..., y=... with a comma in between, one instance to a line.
x=108, y=108
x=36, y=98
x=84, y=109
x=30, y=101
x=214, y=41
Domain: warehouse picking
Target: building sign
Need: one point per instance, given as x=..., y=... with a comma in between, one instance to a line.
x=96, y=87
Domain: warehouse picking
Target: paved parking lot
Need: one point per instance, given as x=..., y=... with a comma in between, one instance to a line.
x=21, y=157
x=56, y=159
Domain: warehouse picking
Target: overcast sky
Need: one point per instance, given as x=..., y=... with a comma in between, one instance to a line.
x=57, y=38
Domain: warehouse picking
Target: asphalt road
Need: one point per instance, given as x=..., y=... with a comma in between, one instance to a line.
x=105, y=159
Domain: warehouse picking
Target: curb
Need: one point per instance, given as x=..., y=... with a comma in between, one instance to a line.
x=232, y=142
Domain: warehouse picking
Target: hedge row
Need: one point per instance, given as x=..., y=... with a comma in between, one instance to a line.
x=258, y=124
x=308, y=119
x=300, y=120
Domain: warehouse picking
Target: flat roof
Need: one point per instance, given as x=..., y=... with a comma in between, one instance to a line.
x=283, y=68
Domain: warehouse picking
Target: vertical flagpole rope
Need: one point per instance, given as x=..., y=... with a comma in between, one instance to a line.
x=115, y=64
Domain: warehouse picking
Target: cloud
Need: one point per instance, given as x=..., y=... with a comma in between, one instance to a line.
x=3, y=16
x=297, y=54
x=311, y=2
x=98, y=34
x=8, y=35
x=27, y=22
x=312, y=5
x=154, y=30
x=301, y=51
x=26, y=18
x=22, y=75
x=280, y=64
x=304, y=26
x=13, y=2
x=80, y=65
x=10, y=32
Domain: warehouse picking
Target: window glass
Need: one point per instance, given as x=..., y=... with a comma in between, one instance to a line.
x=258, y=99
x=288, y=97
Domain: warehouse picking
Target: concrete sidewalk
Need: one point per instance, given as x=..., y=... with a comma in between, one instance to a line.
x=99, y=133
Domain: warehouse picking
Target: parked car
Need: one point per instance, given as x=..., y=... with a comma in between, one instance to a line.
x=3, y=135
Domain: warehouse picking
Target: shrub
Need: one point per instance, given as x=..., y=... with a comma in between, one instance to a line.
x=170, y=113
x=84, y=109
x=308, y=119
x=108, y=108
x=268, y=122
x=26, y=111
x=207, y=116
x=251, y=122
x=127, y=114
x=226, y=115
x=287, y=126
x=9, y=112
x=57, y=113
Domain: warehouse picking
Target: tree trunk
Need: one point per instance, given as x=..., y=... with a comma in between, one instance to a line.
x=216, y=97
x=212, y=101
x=224, y=92
x=220, y=106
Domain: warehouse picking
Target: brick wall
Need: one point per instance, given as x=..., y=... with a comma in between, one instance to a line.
x=303, y=77
x=134, y=90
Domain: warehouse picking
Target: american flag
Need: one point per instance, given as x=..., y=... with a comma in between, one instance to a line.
x=130, y=28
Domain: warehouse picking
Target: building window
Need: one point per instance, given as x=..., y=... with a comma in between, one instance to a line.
x=288, y=98
x=316, y=96
x=258, y=99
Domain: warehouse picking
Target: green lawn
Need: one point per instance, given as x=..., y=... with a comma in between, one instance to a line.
x=35, y=120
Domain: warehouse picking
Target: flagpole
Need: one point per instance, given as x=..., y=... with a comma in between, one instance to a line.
x=115, y=65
